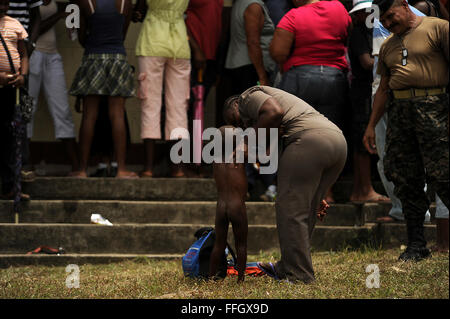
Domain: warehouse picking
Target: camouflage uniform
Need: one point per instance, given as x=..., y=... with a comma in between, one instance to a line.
x=417, y=151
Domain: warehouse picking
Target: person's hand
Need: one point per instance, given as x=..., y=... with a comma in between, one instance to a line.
x=369, y=140
x=263, y=81
x=199, y=60
x=17, y=80
x=137, y=16
x=322, y=212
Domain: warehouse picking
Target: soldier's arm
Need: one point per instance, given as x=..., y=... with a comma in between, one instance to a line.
x=378, y=109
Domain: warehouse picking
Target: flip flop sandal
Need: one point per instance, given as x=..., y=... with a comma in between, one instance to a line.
x=388, y=219
x=47, y=250
x=268, y=271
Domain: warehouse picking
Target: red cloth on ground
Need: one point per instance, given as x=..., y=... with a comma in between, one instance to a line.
x=204, y=20
x=320, y=31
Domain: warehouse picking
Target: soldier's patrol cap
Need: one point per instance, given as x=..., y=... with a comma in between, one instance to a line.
x=383, y=5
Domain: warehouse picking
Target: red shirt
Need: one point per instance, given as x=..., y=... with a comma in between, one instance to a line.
x=204, y=20
x=320, y=31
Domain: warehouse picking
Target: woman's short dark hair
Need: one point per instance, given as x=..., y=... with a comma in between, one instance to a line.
x=228, y=105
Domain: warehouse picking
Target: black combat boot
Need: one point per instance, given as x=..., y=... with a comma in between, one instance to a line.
x=416, y=249
x=415, y=254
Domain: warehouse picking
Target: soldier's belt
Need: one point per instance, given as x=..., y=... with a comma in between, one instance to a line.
x=410, y=93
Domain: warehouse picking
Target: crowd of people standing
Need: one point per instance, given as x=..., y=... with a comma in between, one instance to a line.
x=318, y=51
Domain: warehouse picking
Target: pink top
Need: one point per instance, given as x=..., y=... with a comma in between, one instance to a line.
x=320, y=31
x=204, y=20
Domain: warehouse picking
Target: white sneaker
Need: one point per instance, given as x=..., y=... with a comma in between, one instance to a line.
x=99, y=220
x=270, y=195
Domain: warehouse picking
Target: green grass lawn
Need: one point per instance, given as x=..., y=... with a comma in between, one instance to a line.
x=338, y=275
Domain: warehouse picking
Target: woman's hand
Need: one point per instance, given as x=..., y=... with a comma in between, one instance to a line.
x=17, y=80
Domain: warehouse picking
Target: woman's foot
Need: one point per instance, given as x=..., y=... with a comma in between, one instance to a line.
x=78, y=174
x=177, y=172
x=146, y=174
x=126, y=175
x=373, y=197
x=10, y=196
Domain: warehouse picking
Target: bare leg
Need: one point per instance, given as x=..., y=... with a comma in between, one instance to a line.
x=119, y=134
x=70, y=146
x=240, y=229
x=149, y=148
x=221, y=228
x=362, y=183
x=177, y=169
x=90, y=113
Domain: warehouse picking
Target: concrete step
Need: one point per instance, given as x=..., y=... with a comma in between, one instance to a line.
x=174, y=189
x=102, y=244
x=394, y=234
x=186, y=189
x=156, y=238
x=175, y=212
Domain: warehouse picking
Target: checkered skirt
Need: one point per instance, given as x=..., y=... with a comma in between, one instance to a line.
x=104, y=74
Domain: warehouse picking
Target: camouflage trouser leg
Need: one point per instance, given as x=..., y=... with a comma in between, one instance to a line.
x=417, y=151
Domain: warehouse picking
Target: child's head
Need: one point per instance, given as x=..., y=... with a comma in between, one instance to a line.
x=4, y=5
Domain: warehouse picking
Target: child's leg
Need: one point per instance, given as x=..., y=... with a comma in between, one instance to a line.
x=90, y=113
x=240, y=229
x=221, y=228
